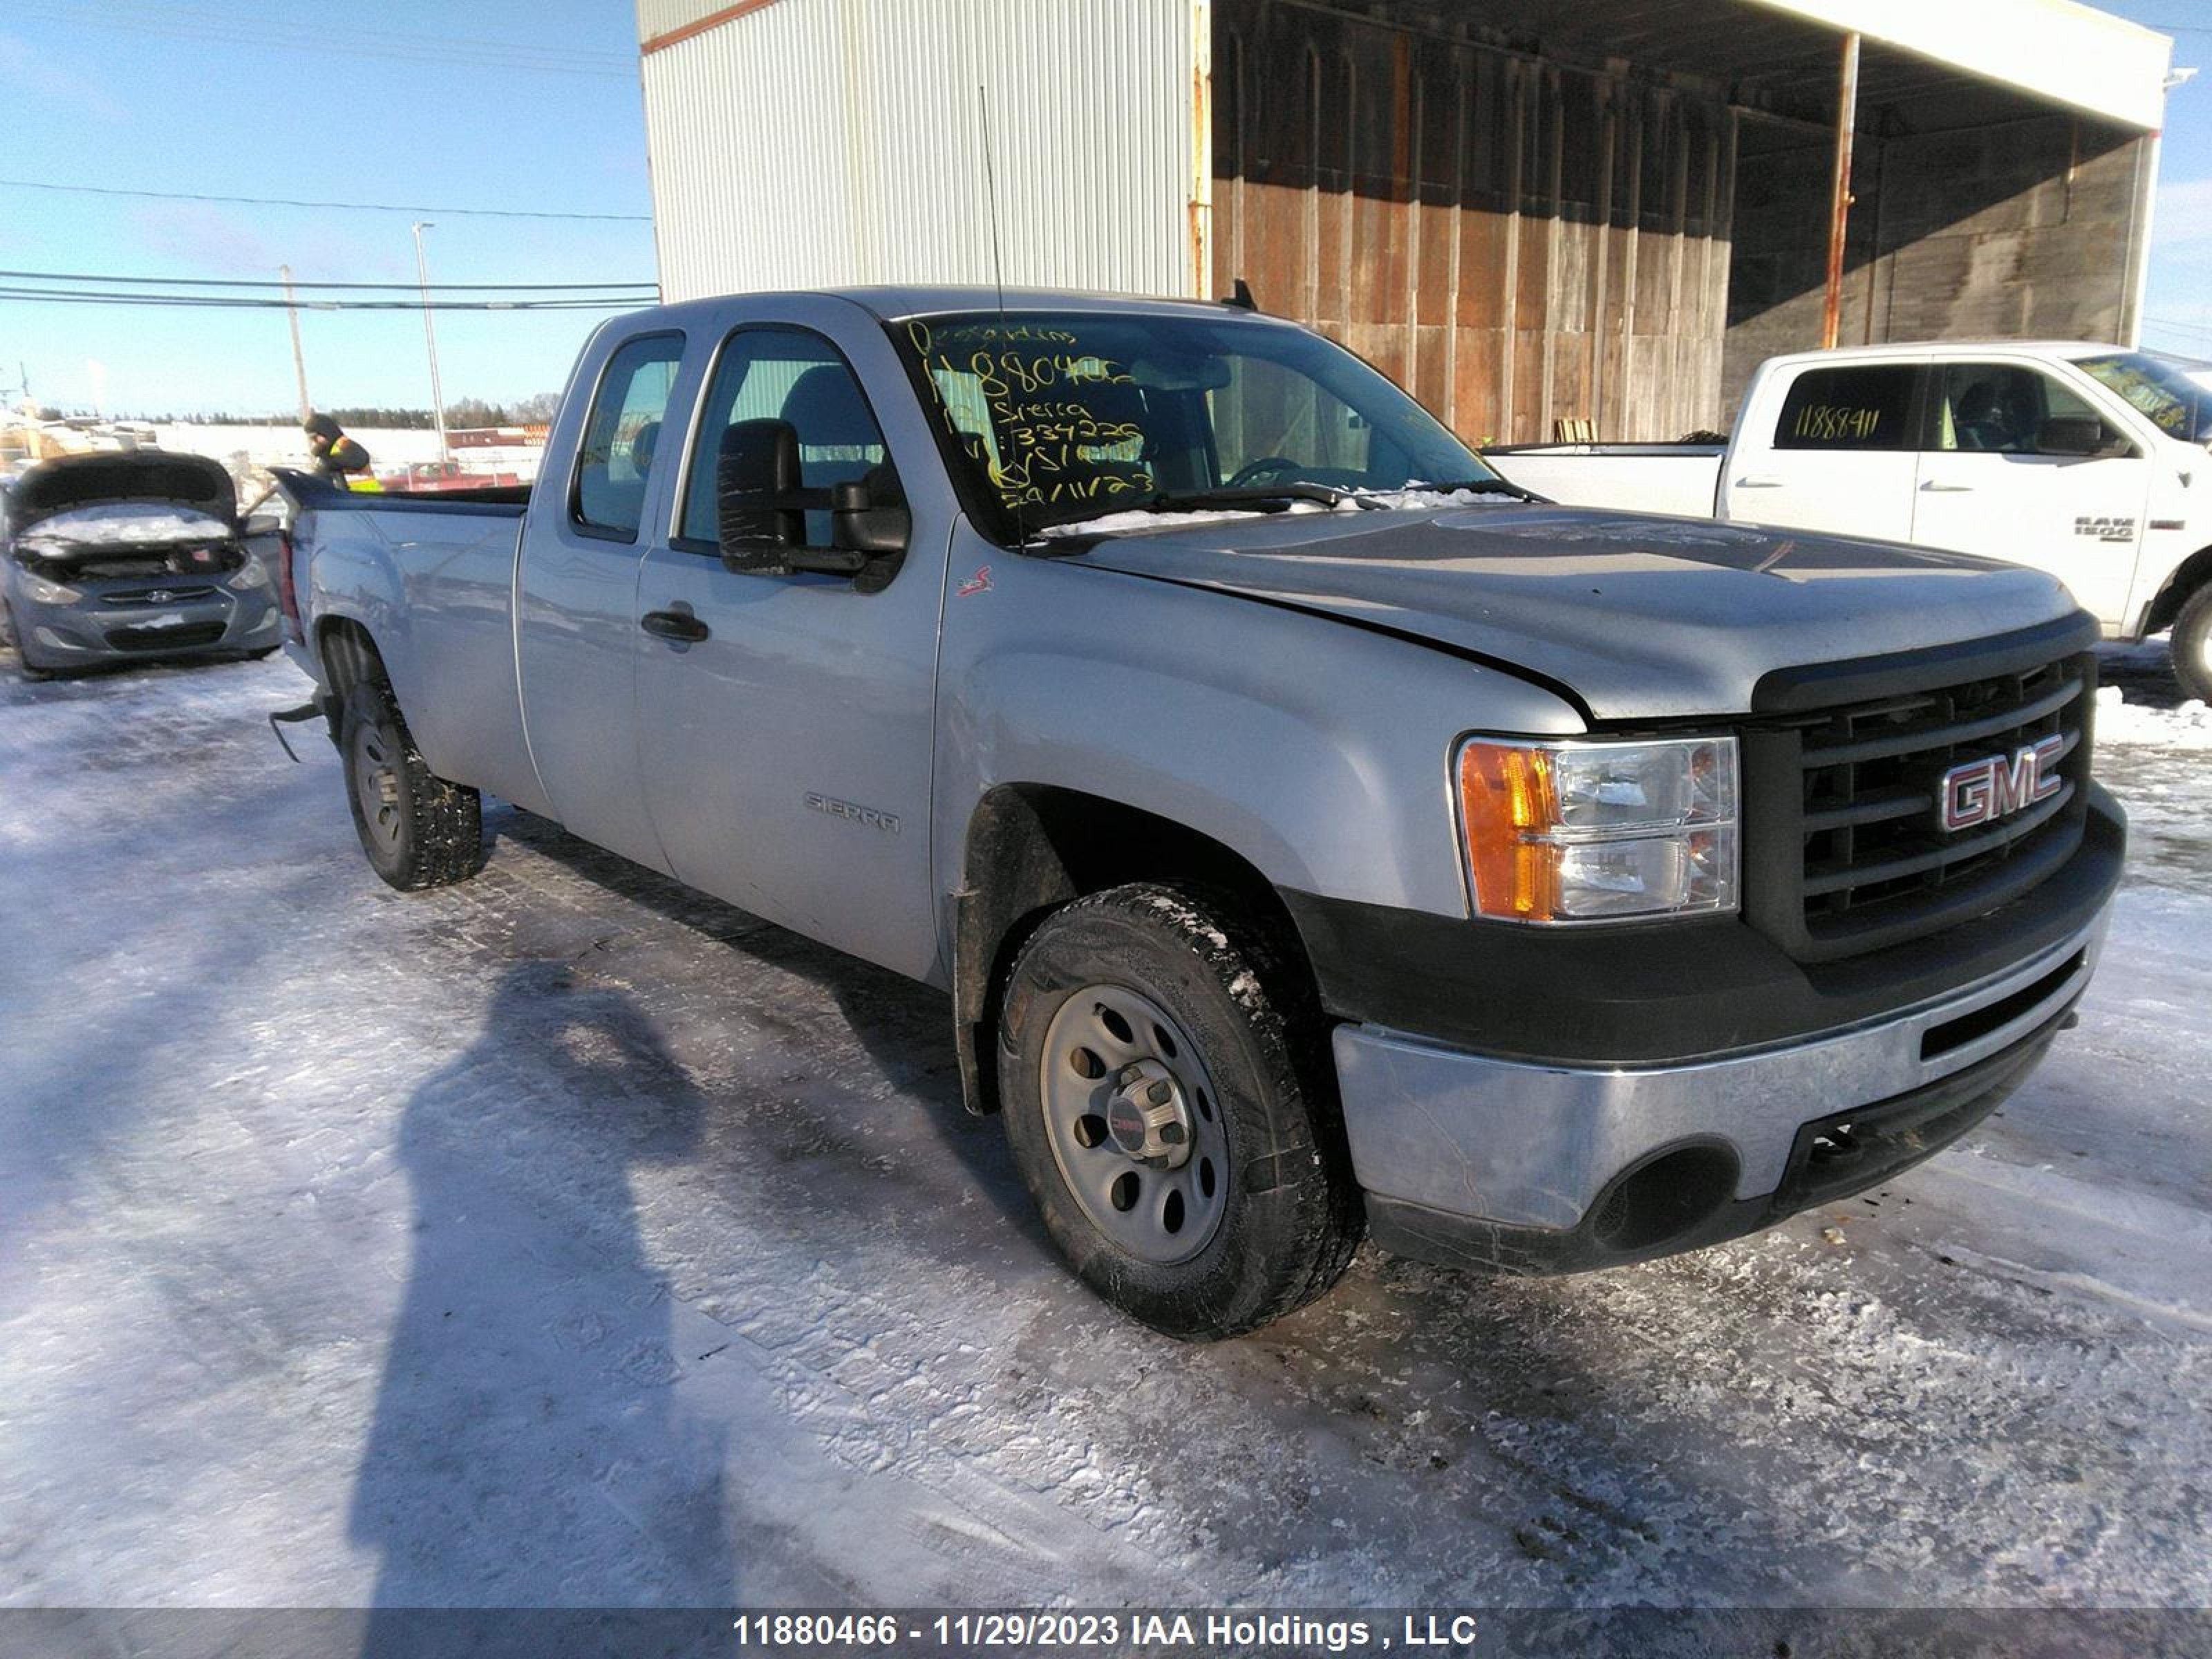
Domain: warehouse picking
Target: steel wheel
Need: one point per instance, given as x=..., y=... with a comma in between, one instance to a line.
x=419, y=830
x=376, y=784
x=1132, y=1116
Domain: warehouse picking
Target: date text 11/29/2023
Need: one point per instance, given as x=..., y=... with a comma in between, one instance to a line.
x=948, y=1630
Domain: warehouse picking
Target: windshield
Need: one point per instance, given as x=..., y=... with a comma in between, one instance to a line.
x=2172, y=391
x=1060, y=416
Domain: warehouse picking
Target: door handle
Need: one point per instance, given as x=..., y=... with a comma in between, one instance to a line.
x=679, y=625
x=1759, y=483
x=1937, y=486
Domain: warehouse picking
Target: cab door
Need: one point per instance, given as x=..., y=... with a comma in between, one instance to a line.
x=575, y=621
x=2003, y=473
x=785, y=722
x=1839, y=458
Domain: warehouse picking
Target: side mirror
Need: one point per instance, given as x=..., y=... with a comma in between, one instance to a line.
x=2079, y=434
x=756, y=474
x=761, y=508
x=865, y=526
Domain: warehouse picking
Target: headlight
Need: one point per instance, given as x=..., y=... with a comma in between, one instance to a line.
x=45, y=593
x=1559, y=832
x=252, y=573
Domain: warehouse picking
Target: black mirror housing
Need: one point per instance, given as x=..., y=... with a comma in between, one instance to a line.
x=756, y=474
x=761, y=504
x=865, y=526
x=2079, y=434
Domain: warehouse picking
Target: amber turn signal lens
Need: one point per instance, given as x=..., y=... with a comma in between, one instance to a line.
x=1507, y=803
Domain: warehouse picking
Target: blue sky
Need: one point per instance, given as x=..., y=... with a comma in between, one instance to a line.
x=2178, y=309
x=376, y=104
x=530, y=106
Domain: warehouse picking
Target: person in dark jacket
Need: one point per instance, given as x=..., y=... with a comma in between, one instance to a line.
x=337, y=458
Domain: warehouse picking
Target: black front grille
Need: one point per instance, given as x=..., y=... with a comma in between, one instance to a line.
x=144, y=597
x=1850, y=855
x=164, y=639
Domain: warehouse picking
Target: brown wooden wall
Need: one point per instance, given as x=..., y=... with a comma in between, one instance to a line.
x=1513, y=241
x=2020, y=229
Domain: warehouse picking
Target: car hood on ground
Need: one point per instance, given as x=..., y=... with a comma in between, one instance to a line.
x=1642, y=617
x=76, y=480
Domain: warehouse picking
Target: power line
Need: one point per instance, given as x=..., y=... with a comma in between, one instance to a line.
x=222, y=18
x=70, y=296
x=454, y=52
x=272, y=281
x=350, y=207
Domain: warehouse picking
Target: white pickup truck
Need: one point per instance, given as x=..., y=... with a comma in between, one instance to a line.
x=2080, y=459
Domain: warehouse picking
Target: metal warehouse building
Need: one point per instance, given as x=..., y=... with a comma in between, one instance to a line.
x=1531, y=213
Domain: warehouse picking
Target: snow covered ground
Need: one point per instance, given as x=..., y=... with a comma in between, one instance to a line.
x=565, y=1237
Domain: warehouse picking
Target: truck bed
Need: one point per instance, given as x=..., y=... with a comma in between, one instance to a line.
x=451, y=656
x=1680, y=480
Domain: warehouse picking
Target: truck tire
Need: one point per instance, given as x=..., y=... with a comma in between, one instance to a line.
x=1174, y=1113
x=2192, y=645
x=418, y=829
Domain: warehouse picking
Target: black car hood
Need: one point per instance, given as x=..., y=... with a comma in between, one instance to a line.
x=74, y=481
x=1640, y=617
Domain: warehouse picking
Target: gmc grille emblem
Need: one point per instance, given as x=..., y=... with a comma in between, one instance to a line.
x=1997, y=785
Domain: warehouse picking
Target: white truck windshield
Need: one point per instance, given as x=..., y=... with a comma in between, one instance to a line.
x=2172, y=391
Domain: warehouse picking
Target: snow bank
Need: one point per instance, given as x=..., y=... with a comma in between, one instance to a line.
x=128, y=522
x=1416, y=496
x=2119, y=721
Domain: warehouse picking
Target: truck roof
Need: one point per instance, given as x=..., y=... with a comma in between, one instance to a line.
x=2063, y=348
x=893, y=302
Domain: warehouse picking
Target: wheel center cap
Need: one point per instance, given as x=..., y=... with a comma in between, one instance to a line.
x=1147, y=1116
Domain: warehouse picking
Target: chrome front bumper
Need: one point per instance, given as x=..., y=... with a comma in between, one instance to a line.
x=1524, y=1146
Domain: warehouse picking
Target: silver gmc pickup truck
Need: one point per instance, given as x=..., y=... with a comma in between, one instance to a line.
x=1317, y=835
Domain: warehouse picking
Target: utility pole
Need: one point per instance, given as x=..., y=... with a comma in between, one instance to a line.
x=1839, y=189
x=299, y=359
x=430, y=337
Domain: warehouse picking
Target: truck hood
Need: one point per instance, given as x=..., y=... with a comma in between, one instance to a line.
x=70, y=481
x=1640, y=616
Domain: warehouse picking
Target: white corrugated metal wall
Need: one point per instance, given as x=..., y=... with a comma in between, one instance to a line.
x=814, y=142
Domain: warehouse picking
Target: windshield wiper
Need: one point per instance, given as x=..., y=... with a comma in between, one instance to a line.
x=1256, y=497
x=1078, y=533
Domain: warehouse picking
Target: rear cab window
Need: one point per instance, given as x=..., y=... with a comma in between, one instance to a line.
x=622, y=437
x=1852, y=407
